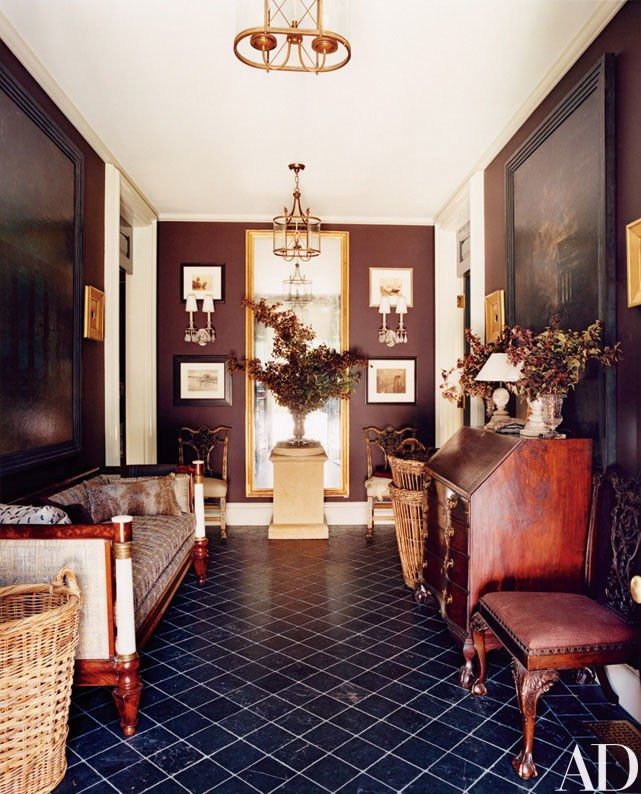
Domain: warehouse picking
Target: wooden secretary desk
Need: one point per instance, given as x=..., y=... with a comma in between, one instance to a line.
x=504, y=513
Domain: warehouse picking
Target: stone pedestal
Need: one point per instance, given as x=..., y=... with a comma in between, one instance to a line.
x=298, y=493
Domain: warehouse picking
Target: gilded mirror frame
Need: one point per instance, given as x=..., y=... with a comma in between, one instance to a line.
x=250, y=489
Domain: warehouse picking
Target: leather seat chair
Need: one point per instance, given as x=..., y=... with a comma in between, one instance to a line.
x=548, y=632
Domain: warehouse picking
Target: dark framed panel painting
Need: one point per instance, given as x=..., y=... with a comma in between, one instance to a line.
x=40, y=284
x=560, y=204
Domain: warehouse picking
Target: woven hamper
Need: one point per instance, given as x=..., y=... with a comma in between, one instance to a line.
x=410, y=515
x=38, y=639
x=408, y=464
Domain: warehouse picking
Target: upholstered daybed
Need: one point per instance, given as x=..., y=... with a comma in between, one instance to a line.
x=128, y=568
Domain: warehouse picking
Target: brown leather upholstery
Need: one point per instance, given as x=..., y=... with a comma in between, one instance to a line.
x=553, y=623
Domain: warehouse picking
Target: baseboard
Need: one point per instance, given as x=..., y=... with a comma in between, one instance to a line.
x=625, y=682
x=259, y=514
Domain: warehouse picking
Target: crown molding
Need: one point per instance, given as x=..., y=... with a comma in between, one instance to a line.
x=199, y=217
x=602, y=14
x=52, y=88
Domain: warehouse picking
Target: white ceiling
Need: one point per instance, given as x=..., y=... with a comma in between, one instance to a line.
x=430, y=85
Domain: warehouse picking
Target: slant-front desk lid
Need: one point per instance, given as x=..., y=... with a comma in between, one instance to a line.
x=468, y=458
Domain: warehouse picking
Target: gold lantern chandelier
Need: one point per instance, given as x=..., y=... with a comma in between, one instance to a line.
x=296, y=234
x=292, y=39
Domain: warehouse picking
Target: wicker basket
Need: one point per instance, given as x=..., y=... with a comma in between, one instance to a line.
x=410, y=511
x=38, y=638
x=406, y=473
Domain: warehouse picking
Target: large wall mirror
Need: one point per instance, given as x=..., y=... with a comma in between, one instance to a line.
x=327, y=311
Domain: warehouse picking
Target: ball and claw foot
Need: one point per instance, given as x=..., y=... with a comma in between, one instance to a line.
x=478, y=688
x=421, y=595
x=466, y=676
x=524, y=765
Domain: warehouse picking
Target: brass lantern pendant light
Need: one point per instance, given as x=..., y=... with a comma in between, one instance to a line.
x=292, y=39
x=297, y=234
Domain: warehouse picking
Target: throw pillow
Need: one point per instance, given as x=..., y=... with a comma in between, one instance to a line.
x=28, y=514
x=78, y=513
x=139, y=498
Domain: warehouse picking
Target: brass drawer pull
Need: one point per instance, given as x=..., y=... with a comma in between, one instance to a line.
x=450, y=532
x=449, y=563
x=452, y=501
x=446, y=598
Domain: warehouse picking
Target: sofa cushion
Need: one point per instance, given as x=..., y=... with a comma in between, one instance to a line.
x=153, y=497
x=156, y=542
x=28, y=514
x=554, y=623
x=77, y=494
x=181, y=481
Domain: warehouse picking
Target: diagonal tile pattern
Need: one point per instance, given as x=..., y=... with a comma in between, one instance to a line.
x=306, y=667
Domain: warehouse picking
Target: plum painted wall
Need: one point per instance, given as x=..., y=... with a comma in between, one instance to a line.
x=92, y=452
x=387, y=246
x=623, y=38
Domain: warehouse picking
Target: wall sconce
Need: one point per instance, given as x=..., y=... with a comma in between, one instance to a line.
x=201, y=336
x=387, y=336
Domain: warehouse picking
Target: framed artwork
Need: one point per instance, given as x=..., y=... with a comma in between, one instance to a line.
x=40, y=283
x=633, y=244
x=391, y=381
x=201, y=380
x=494, y=315
x=94, y=314
x=202, y=281
x=561, y=238
x=390, y=282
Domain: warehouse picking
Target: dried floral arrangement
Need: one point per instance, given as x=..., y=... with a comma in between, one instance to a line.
x=468, y=367
x=554, y=360
x=302, y=377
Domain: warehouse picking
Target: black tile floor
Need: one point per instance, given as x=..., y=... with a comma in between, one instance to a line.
x=305, y=667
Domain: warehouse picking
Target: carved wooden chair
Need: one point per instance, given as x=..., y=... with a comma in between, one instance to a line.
x=380, y=442
x=211, y=445
x=548, y=632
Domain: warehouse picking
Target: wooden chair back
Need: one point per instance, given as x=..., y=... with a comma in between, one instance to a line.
x=380, y=442
x=614, y=542
x=210, y=444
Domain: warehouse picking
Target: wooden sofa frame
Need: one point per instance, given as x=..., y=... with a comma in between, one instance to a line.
x=121, y=669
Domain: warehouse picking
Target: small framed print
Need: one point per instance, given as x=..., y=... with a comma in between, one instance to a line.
x=94, y=327
x=633, y=245
x=391, y=381
x=494, y=315
x=201, y=380
x=391, y=282
x=202, y=281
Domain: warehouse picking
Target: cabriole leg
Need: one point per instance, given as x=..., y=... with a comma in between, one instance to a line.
x=466, y=672
x=478, y=627
x=530, y=685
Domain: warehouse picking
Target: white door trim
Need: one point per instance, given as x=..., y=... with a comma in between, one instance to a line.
x=112, y=315
x=122, y=199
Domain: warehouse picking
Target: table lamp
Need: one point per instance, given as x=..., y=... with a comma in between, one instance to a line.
x=497, y=369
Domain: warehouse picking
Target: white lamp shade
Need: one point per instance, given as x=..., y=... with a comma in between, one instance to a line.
x=208, y=304
x=384, y=306
x=401, y=305
x=497, y=369
x=192, y=304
